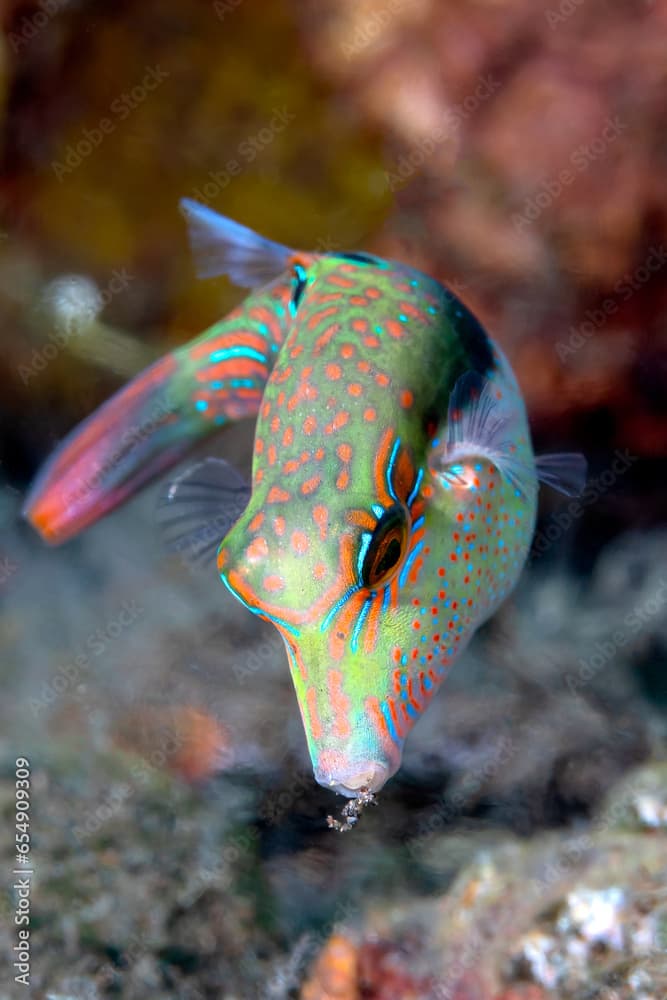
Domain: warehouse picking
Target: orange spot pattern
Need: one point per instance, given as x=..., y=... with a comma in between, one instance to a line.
x=337, y=380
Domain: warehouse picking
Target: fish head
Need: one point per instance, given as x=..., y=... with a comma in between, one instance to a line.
x=375, y=596
x=332, y=566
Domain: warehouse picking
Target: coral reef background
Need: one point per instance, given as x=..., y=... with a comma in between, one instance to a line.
x=516, y=150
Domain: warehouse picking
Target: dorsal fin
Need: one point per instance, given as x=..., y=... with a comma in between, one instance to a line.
x=222, y=246
x=199, y=508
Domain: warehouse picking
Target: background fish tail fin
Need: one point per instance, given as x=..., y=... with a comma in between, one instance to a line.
x=141, y=430
x=155, y=419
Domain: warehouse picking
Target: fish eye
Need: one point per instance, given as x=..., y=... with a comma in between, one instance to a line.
x=385, y=548
x=298, y=287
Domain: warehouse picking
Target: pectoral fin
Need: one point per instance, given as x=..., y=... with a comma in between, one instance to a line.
x=200, y=507
x=564, y=471
x=483, y=421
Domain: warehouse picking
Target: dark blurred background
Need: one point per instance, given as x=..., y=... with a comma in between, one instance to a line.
x=515, y=149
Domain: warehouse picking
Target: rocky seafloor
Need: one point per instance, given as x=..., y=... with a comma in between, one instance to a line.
x=180, y=843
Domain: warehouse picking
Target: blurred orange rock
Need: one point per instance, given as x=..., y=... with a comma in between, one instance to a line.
x=182, y=739
x=335, y=973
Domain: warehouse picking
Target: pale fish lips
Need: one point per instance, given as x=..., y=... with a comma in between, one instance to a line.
x=347, y=775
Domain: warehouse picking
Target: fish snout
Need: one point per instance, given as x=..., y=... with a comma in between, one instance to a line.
x=350, y=778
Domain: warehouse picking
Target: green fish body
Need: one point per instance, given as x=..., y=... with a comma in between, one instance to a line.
x=394, y=486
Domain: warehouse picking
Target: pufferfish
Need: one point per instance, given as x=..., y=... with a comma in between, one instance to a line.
x=394, y=486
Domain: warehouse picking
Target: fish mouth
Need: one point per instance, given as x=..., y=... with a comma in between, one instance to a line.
x=369, y=777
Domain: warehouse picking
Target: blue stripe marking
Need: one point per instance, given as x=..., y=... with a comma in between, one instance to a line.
x=238, y=352
x=333, y=611
x=359, y=624
x=363, y=549
x=408, y=563
x=415, y=488
x=385, y=599
x=390, y=468
x=292, y=658
x=384, y=708
x=257, y=611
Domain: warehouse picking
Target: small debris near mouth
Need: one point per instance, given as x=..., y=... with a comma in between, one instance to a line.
x=352, y=811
